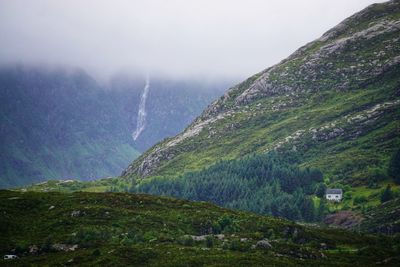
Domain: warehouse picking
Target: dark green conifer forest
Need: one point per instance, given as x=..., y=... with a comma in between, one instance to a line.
x=267, y=184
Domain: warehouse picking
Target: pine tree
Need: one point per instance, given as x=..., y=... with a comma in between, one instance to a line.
x=387, y=194
x=266, y=183
x=394, y=167
x=320, y=190
x=322, y=210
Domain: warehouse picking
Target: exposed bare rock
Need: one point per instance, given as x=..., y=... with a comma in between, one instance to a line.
x=33, y=249
x=77, y=213
x=64, y=247
x=165, y=151
x=263, y=244
x=339, y=61
x=343, y=219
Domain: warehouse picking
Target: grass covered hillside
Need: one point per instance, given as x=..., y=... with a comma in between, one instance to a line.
x=334, y=104
x=118, y=229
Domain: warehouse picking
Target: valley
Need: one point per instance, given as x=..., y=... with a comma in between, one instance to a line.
x=297, y=165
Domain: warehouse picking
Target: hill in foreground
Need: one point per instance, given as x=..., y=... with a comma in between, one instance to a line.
x=117, y=229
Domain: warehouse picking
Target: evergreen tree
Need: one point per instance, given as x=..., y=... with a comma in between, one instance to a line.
x=267, y=184
x=394, y=167
x=322, y=210
x=387, y=194
x=320, y=190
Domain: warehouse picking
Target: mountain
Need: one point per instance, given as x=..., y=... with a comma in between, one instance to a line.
x=58, y=123
x=119, y=229
x=61, y=123
x=334, y=103
x=170, y=104
x=325, y=117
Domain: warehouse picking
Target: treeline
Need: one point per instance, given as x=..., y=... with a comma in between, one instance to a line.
x=266, y=184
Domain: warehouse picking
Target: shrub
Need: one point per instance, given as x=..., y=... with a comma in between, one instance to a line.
x=347, y=196
x=225, y=221
x=394, y=167
x=216, y=228
x=209, y=241
x=320, y=190
x=149, y=236
x=21, y=249
x=96, y=253
x=387, y=194
x=237, y=245
x=258, y=235
x=360, y=200
x=88, y=237
x=163, y=237
x=377, y=174
x=138, y=237
x=46, y=247
x=186, y=240
x=234, y=245
x=126, y=241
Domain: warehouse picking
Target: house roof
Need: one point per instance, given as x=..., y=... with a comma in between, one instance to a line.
x=334, y=191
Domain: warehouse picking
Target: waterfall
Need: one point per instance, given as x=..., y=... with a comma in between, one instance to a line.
x=141, y=116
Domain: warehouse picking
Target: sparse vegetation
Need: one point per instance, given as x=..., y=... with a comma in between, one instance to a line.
x=120, y=229
x=394, y=167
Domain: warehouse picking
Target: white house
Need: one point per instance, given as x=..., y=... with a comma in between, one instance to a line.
x=334, y=194
x=10, y=257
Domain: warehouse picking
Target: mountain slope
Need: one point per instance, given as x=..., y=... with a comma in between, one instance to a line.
x=109, y=229
x=170, y=105
x=334, y=103
x=382, y=219
x=60, y=123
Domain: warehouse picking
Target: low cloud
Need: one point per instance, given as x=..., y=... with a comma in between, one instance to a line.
x=176, y=38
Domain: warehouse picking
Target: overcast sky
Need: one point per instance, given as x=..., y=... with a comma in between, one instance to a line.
x=175, y=37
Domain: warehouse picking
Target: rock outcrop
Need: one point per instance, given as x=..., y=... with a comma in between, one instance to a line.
x=361, y=52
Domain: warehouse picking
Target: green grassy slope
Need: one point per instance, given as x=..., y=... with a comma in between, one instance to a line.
x=334, y=102
x=114, y=229
x=383, y=219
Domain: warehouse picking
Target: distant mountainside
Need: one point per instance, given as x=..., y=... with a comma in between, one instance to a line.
x=58, y=124
x=170, y=104
x=334, y=103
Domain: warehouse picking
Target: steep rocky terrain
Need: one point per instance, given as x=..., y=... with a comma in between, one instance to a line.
x=334, y=103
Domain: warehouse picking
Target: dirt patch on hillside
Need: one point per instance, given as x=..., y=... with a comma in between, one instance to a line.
x=343, y=219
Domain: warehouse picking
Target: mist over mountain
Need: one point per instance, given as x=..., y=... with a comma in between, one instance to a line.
x=170, y=104
x=130, y=135
x=61, y=123
x=175, y=38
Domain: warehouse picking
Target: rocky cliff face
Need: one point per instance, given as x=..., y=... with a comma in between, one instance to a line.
x=335, y=97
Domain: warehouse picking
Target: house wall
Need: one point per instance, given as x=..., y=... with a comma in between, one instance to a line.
x=336, y=197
